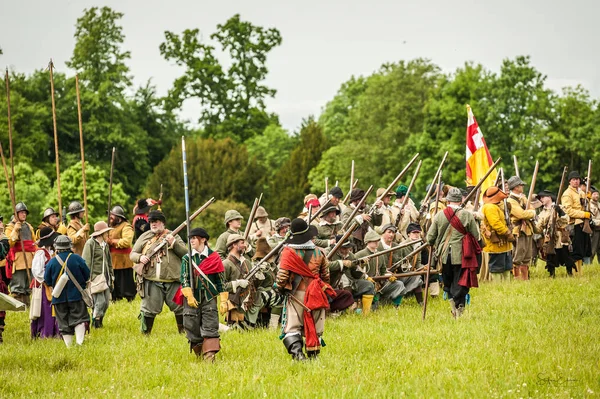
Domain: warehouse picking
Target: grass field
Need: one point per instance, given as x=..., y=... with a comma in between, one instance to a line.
x=524, y=339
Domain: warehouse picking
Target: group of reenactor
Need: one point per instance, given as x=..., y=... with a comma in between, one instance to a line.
x=339, y=255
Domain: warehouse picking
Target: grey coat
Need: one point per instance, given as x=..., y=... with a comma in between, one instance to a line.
x=439, y=229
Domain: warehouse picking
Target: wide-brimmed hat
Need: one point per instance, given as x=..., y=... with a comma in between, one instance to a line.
x=155, y=215
x=413, y=227
x=454, y=195
x=493, y=195
x=233, y=238
x=301, y=232
x=230, y=215
x=330, y=208
x=262, y=248
x=281, y=223
x=356, y=194
x=546, y=193
x=100, y=228
x=515, y=181
x=573, y=175
x=199, y=232
x=47, y=237
x=336, y=192
x=261, y=212
x=62, y=242
x=381, y=190
x=371, y=236
x=389, y=226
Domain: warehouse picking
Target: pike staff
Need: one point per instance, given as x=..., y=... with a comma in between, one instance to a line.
x=11, y=183
x=110, y=183
x=82, y=152
x=431, y=250
x=187, y=208
x=56, y=161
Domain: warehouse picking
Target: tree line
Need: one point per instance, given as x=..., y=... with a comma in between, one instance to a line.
x=239, y=149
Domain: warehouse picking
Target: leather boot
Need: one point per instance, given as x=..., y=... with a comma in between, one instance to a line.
x=367, y=301
x=452, y=307
x=210, y=347
x=524, y=272
x=179, y=320
x=419, y=297
x=294, y=345
x=313, y=355
x=149, y=322
x=516, y=273
x=196, y=348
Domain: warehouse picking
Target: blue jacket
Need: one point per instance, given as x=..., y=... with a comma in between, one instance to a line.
x=77, y=267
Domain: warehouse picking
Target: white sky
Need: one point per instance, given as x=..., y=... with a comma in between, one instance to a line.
x=326, y=42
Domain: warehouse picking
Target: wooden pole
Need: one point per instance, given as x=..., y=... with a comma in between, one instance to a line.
x=85, y=206
x=110, y=183
x=51, y=67
x=431, y=250
x=11, y=183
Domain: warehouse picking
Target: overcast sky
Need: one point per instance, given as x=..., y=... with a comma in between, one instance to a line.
x=326, y=42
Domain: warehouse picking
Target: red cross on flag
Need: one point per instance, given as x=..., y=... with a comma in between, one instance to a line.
x=479, y=159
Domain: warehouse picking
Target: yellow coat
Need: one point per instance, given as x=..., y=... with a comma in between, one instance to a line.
x=571, y=203
x=493, y=220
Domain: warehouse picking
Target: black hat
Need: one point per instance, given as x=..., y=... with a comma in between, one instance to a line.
x=413, y=227
x=156, y=215
x=199, y=232
x=336, y=192
x=593, y=189
x=346, y=244
x=331, y=208
x=47, y=237
x=356, y=194
x=301, y=232
x=573, y=175
x=546, y=193
x=143, y=206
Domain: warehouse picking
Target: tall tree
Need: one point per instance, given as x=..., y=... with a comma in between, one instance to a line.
x=232, y=99
x=291, y=184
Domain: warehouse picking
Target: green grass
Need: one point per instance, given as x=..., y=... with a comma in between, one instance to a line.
x=524, y=339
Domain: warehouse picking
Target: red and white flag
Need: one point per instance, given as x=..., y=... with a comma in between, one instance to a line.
x=479, y=159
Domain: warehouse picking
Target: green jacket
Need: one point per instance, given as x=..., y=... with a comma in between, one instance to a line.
x=335, y=270
x=221, y=245
x=202, y=287
x=94, y=255
x=376, y=266
x=170, y=258
x=235, y=270
x=439, y=229
x=326, y=232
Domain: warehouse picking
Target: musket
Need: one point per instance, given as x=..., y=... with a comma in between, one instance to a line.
x=394, y=183
x=139, y=267
x=550, y=237
x=531, y=191
x=431, y=249
x=479, y=183
x=11, y=183
x=387, y=251
x=110, y=183
x=236, y=297
x=350, y=191
x=425, y=203
x=337, y=246
x=406, y=196
x=51, y=68
x=357, y=208
x=407, y=274
x=506, y=214
x=186, y=195
x=251, y=218
x=326, y=185
x=586, y=222
x=413, y=253
x=85, y=207
x=351, y=177
x=516, y=167
x=319, y=212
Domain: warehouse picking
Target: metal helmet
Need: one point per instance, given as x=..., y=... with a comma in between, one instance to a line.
x=118, y=210
x=75, y=207
x=62, y=242
x=21, y=207
x=49, y=212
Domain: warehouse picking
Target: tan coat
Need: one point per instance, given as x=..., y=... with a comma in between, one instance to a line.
x=267, y=228
x=78, y=240
x=518, y=214
x=571, y=203
x=411, y=215
x=120, y=251
x=542, y=224
x=20, y=263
